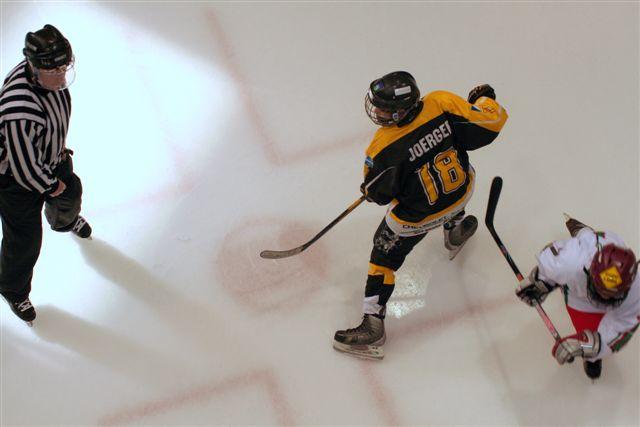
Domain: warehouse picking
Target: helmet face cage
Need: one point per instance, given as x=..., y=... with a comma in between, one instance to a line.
x=391, y=97
x=56, y=78
x=380, y=116
x=595, y=297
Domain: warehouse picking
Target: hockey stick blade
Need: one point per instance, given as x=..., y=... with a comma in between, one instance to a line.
x=494, y=196
x=282, y=254
x=295, y=251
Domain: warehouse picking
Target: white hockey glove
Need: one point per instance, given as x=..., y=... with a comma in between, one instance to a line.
x=532, y=289
x=586, y=344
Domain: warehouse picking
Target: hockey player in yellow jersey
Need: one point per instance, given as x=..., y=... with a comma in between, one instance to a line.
x=417, y=164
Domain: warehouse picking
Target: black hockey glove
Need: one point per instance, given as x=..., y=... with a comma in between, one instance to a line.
x=480, y=91
x=371, y=196
x=533, y=289
x=363, y=190
x=381, y=188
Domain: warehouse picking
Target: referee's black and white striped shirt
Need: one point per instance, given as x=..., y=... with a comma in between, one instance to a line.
x=33, y=129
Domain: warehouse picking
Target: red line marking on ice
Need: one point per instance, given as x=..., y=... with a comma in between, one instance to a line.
x=186, y=180
x=273, y=154
x=266, y=378
x=182, y=186
x=200, y=395
x=268, y=144
x=162, y=116
x=381, y=394
x=445, y=320
x=318, y=150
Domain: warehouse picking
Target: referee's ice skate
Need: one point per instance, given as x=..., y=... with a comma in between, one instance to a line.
x=23, y=309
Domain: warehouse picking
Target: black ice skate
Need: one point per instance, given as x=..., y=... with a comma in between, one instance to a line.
x=24, y=310
x=81, y=228
x=364, y=341
x=456, y=235
x=593, y=369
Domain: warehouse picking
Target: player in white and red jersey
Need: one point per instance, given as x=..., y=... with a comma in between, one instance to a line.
x=597, y=273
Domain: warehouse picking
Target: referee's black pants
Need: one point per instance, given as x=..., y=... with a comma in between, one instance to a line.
x=21, y=214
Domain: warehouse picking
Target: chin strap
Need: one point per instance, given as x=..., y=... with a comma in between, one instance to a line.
x=411, y=114
x=30, y=75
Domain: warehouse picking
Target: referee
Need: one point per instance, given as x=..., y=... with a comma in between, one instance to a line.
x=36, y=169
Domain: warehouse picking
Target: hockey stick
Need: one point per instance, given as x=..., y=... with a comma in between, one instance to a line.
x=494, y=195
x=284, y=254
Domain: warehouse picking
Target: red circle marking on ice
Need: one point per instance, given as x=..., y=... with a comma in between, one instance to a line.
x=267, y=285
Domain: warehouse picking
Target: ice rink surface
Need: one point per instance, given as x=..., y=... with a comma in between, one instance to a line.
x=205, y=133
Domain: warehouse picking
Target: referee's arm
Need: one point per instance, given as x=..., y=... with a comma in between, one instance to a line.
x=25, y=159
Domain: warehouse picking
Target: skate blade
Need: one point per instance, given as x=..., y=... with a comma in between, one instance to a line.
x=454, y=252
x=369, y=352
x=28, y=322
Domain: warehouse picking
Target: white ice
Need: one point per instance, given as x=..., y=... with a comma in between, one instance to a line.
x=205, y=133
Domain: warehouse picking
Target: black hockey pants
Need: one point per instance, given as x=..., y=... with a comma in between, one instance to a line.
x=387, y=256
x=21, y=214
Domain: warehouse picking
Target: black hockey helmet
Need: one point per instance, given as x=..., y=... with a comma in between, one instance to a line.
x=47, y=48
x=391, y=97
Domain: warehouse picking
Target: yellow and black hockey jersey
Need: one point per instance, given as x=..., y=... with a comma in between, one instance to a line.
x=423, y=167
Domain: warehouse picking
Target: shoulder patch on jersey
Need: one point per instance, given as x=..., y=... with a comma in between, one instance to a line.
x=555, y=251
x=474, y=108
x=368, y=161
x=486, y=108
